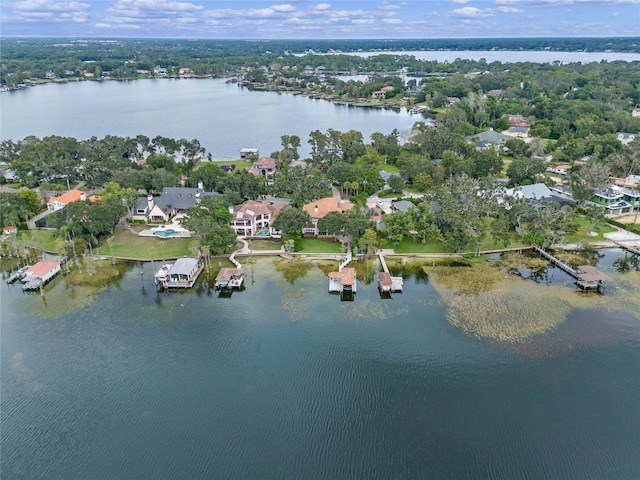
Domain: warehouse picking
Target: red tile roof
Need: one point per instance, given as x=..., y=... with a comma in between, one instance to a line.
x=325, y=206
x=67, y=198
x=40, y=269
x=347, y=276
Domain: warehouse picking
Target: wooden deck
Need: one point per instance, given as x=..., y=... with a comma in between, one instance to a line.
x=386, y=282
x=587, y=277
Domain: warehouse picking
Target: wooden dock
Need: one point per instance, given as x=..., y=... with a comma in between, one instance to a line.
x=386, y=282
x=587, y=277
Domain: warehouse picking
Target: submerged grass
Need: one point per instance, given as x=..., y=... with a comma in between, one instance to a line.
x=292, y=270
x=485, y=302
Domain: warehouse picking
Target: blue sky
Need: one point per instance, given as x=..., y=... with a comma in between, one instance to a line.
x=320, y=19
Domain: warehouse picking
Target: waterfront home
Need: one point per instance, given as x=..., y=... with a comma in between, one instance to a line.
x=321, y=208
x=265, y=167
x=39, y=274
x=58, y=203
x=617, y=200
x=539, y=192
x=183, y=273
x=382, y=93
x=255, y=219
x=171, y=201
x=229, y=278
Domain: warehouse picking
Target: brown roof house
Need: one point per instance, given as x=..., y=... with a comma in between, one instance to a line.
x=322, y=207
x=264, y=166
x=255, y=219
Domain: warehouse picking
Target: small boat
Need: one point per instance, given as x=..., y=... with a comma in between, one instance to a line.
x=161, y=275
x=17, y=275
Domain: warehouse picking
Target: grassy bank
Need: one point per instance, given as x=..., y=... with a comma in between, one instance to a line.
x=126, y=244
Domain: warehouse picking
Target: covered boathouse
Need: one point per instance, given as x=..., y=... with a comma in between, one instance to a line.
x=229, y=278
x=343, y=281
x=183, y=273
x=39, y=274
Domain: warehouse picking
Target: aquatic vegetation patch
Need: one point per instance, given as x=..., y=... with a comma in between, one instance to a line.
x=512, y=261
x=327, y=266
x=365, y=270
x=485, y=302
x=95, y=276
x=466, y=280
x=510, y=312
x=294, y=269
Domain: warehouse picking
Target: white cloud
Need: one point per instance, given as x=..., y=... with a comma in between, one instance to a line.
x=49, y=10
x=391, y=20
x=564, y=3
x=472, y=12
x=284, y=8
x=160, y=12
x=509, y=10
x=462, y=2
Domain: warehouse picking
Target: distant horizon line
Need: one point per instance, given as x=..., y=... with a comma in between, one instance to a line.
x=77, y=37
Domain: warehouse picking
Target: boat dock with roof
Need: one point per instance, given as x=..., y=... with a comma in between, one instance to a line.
x=229, y=278
x=387, y=283
x=183, y=273
x=587, y=277
x=344, y=280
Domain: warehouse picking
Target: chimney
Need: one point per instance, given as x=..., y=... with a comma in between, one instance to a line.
x=200, y=185
x=149, y=202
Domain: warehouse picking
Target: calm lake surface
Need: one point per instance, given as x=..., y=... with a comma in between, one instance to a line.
x=283, y=380
x=503, y=56
x=223, y=116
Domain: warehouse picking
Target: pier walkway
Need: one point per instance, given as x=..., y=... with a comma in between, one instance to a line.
x=628, y=248
x=586, y=276
x=386, y=282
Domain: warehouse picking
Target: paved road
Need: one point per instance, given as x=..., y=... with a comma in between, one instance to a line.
x=31, y=223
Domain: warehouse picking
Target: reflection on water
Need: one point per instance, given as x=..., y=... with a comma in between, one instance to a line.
x=284, y=380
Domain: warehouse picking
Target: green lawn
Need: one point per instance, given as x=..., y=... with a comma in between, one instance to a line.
x=264, y=245
x=40, y=239
x=126, y=244
x=410, y=245
x=582, y=235
x=317, y=245
x=239, y=164
x=392, y=169
x=389, y=194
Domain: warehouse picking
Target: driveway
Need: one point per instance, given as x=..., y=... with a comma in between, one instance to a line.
x=623, y=236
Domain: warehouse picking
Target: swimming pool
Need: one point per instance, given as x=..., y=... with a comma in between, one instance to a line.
x=169, y=232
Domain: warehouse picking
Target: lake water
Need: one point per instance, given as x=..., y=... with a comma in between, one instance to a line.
x=223, y=116
x=285, y=381
x=511, y=56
